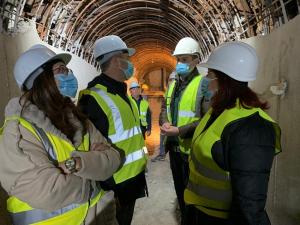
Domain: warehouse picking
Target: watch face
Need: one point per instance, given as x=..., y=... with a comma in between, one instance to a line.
x=70, y=164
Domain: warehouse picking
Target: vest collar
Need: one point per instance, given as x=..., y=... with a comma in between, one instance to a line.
x=32, y=114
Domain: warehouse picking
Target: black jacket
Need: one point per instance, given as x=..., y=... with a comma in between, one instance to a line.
x=246, y=150
x=130, y=189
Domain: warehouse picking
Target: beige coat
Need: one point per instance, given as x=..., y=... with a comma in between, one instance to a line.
x=27, y=173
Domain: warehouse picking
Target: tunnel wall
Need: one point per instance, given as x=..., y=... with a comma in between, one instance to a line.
x=279, y=54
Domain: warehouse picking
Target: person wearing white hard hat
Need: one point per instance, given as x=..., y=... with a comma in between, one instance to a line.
x=143, y=107
x=115, y=114
x=181, y=112
x=162, y=153
x=51, y=157
x=233, y=146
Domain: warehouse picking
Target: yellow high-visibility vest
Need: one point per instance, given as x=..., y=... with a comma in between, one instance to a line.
x=124, y=130
x=186, y=108
x=58, y=150
x=209, y=186
x=144, y=105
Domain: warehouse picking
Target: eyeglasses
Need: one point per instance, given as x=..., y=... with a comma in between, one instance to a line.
x=60, y=69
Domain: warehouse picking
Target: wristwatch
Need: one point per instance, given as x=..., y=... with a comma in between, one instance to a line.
x=71, y=165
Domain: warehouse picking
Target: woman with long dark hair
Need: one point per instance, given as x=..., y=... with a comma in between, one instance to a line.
x=233, y=146
x=51, y=156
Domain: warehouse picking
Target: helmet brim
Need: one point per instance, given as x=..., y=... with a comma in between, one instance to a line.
x=134, y=87
x=206, y=65
x=65, y=57
x=228, y=73
x=131, y=51
x=180, y=54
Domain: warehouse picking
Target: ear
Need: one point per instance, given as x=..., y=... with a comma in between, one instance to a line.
x=197, y=60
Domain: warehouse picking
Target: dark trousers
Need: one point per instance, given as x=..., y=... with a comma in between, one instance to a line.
x=180, y=171
x=144, y=129
x=125, y=212
x=194, y=216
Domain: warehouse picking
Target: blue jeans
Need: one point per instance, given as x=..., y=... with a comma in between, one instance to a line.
x=161, y=145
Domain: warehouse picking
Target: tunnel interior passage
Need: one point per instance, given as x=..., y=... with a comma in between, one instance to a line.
x=153, y=27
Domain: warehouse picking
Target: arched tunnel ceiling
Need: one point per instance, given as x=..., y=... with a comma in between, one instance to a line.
x=153, y=27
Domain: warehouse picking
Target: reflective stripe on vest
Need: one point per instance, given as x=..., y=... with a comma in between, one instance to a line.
x=37, y=215
x=188, y=114
x=142, y=109
x=134, y=156
x=22, y=213
x=207, y=172
x=124, y=130
x=120, y=133
x=209, y=186
x=186, y=109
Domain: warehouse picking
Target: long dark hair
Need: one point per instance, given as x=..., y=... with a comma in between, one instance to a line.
x=229, y=91
x=46, y=96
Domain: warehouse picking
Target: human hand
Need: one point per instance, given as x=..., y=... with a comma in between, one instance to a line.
x=166, y=125
x=170, y=131
x=148, y=133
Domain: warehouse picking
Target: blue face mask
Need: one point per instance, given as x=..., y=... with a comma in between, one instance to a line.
x=128, y=72
x=205, y=88
x=67, y=84
x=183, y=69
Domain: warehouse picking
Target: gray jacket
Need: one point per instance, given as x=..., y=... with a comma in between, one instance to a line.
x=27, y=173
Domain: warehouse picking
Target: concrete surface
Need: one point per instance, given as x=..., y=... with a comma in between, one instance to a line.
x=160, y=206
x=279, y=54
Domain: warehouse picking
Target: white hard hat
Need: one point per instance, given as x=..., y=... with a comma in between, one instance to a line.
x=134, y=85
x=202, y=70
x=236, y=59
x=29, y=64
x=110, y=44
x=187, y=46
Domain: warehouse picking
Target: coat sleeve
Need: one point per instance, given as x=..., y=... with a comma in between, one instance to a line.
x=27, y=173
x=163, y=117
x=187, y=131
x=100, y=163
x=250, y=157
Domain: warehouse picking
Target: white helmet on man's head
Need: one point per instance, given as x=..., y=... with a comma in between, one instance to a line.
x=236, y=59
x=108, y=46
x=187, y=46
x=29, y=64
x=134, y=85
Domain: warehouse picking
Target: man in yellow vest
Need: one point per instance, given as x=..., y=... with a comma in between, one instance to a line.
x=143, y=106
x=115, y=114
x=181, y=112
